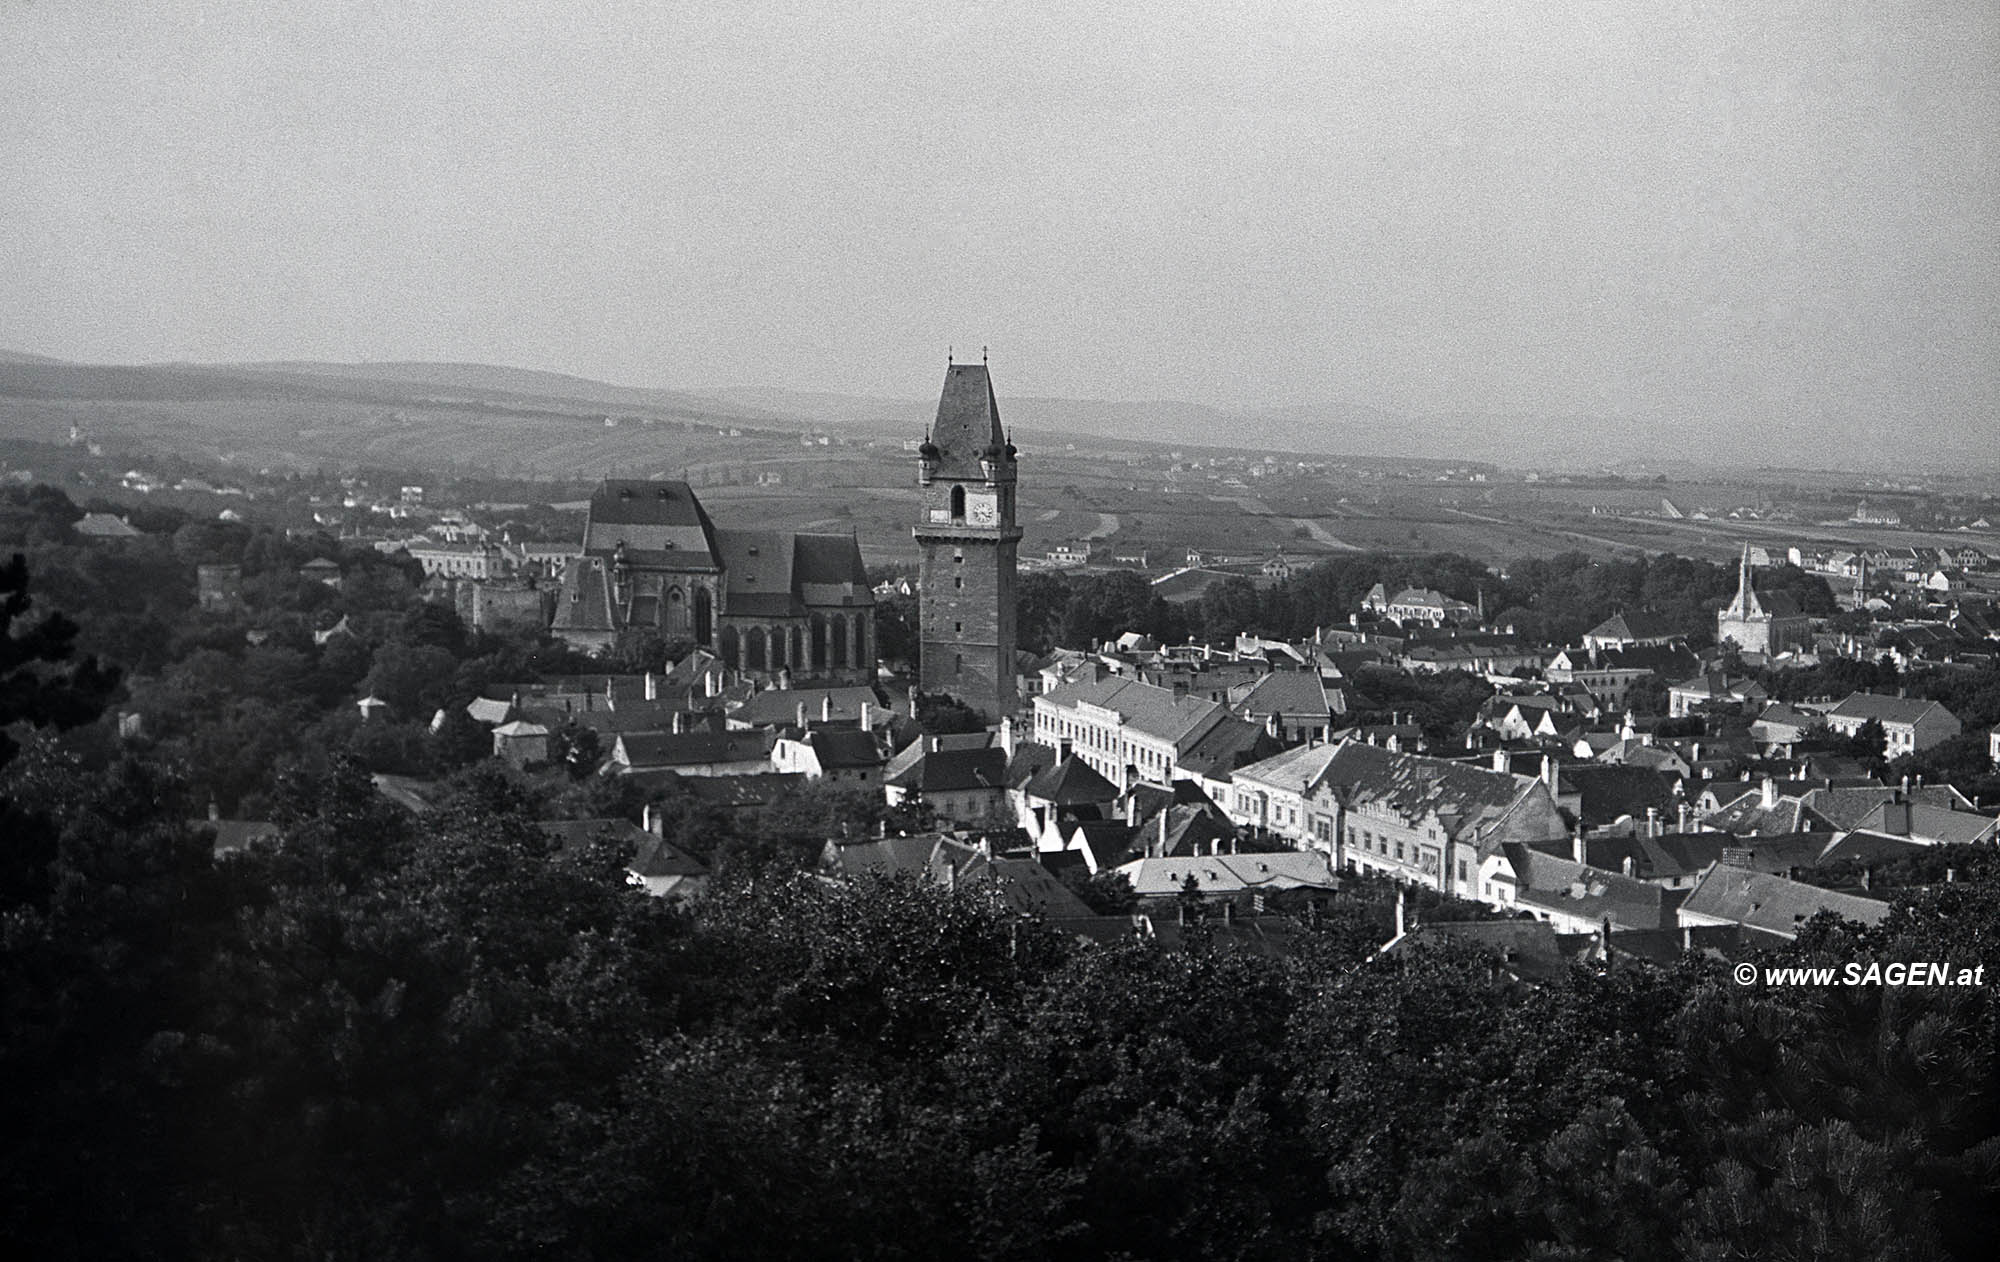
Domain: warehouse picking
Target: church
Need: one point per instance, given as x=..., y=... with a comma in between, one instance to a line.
x=772, y=604
x=1769, y=625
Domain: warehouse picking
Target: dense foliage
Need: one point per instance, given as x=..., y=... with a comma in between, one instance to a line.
x=436, y=1037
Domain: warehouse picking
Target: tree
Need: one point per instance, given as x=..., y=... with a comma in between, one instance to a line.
x=39, y=683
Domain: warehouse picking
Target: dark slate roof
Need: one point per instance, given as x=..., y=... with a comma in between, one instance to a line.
x=1412, y=784
x=1072, y=782
x=1024, y=885
x=729, y=793
x=1288, y=692
x=1868, y=705
x=1610, y=792
x=1643, y=625
x=1772, y=904
x=879, y=856
x=1108, y=840
x=660, y=524
x=1526, y=948
x=954, y=770
x=1559, y=884
x=665, y=749
x=968, y=421
x=777, y=706
x=1229, y=744
x=844, y=747
x=1029, y=760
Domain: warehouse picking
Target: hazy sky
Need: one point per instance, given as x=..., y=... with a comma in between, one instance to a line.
x=1713, y=213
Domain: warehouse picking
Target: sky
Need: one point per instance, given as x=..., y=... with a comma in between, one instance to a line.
x=1755, y=221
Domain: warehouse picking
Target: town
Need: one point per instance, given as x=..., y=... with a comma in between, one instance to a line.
x=1567, y=780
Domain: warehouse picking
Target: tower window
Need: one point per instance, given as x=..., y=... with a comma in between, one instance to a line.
x=958, y=664
x=957, y=582
x=957, y=502
x=957, y=627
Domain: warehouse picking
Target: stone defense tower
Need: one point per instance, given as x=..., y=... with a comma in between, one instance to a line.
x=970, y=543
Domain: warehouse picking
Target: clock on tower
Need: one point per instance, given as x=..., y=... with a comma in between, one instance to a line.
x=970, y=544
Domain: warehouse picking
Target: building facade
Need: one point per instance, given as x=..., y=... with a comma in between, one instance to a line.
x=970, y=544
x=769, y=603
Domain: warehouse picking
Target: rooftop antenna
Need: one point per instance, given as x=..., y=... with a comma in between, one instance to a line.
x=982, y=354
x=947, y=355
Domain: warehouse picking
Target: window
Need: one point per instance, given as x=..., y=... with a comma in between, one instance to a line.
x=957, y=581
x=1461, y=871
x=958, y=664
x=1399, y=852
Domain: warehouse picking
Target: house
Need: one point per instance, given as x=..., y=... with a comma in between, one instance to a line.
x=693, y=753
x=1781, y=724
x=847, y=757
x=854, y=704
x=321, y=570
x=519, y=743
x=1066, y=787
x=1714, y=688
x=657, y=865
x=1293, y=705
x=962, y=782
x=1629, y=630
x=1930, y=825
x=1425, y=820
x=1418, y=605
x=1908, y=724
x=1126, y=729
x=1611, y=673
x=1245, y=879
x=104, y=526
x=1270, y=795
x=1572, y=897
x=1767, y=904
x=1023, y=886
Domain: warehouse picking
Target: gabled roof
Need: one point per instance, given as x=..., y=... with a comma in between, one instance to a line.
x=1286, y=693
x=1025, y=887
x=105, y=526
x=1468, y=798
x=1642, y=625
x=1526, y=947
x=1610, y=791
x=881, y=856
x=1562, y=885
x=1228, y=744
x=1072, y=782
x=660, y=524
x=1296, y=770
x=845, y=748
x=1772, y=904
x=1886, y=710
x=1108, y=840
x=778, y=706
x=690, y=749
x=1231, y=873
x=952, y=770
x=1144, y=708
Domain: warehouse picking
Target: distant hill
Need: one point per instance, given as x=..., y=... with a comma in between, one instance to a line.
x=23, y=357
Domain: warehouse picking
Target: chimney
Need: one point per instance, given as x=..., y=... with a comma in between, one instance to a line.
x=868, y=718
x=800, y=711
x=1687, y=937
x=1681, y=818
x=652, y=687
x=680, y=722
x=937, y=743
x=651, y=820
x=711, y=681
x=1399, y=911
x=1578, y=851
x=784, y=679
x=1652, y=823
x=1629, y=867
x=1163, y=833
x=214, y=809
x=826, y=708
x=1770, y=794
x=1499, y=760
x=1867, y=875
x=1549, y=777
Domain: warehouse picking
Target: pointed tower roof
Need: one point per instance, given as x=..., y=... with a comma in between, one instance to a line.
x=1746, y=604
x=968, y=421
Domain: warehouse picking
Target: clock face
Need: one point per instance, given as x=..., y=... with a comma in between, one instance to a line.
x=982, y=510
